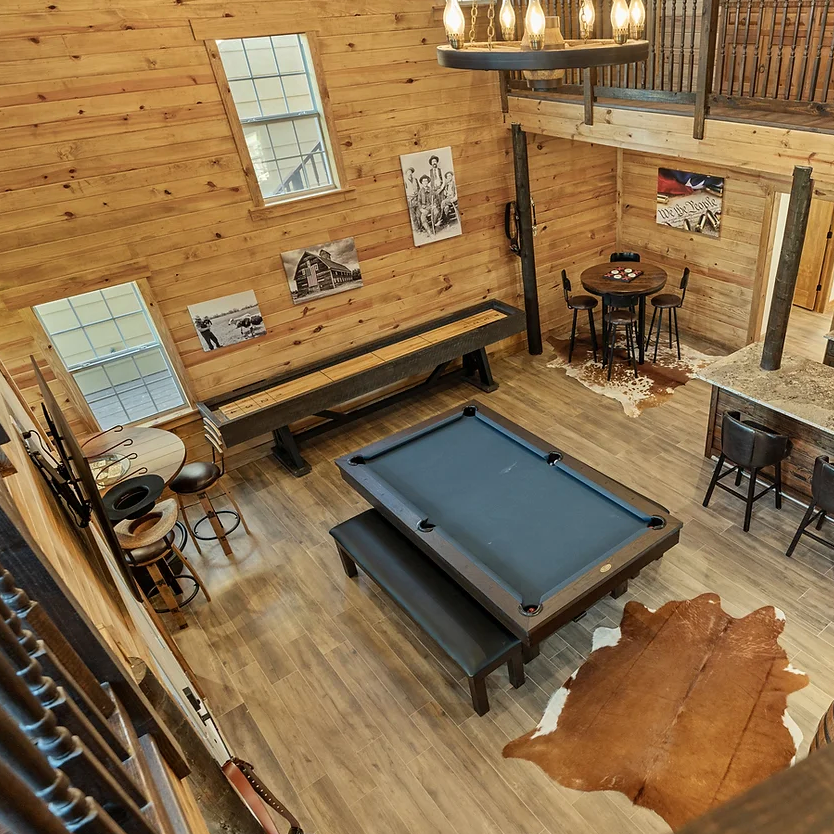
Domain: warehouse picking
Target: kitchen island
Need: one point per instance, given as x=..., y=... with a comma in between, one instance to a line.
x=797, y=400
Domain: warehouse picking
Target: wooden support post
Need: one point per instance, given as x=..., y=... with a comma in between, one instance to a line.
x=706, y=65
x=828, y=359
x=589, y=80
x=802, y=189
x=525, y=234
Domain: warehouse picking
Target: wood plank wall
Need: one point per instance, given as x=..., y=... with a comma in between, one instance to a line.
x=117, y=163
x=723, y=270
x=574, y=186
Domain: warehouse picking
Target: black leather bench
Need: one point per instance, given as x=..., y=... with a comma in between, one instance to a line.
x=462, y=628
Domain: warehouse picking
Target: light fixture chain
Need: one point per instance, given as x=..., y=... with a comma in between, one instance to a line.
x=491, y=26
x=474, y=19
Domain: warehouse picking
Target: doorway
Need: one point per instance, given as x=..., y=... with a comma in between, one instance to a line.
x=813, y=301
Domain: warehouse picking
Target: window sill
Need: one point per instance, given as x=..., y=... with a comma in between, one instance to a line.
x=325, y=198
x=170, y=419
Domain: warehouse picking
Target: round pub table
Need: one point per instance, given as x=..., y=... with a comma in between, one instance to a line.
x=129, y=451
x=625, y=293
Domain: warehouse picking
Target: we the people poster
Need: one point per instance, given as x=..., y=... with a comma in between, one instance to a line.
x=689, y=201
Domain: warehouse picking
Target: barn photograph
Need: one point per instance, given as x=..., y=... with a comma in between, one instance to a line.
x=323, y=269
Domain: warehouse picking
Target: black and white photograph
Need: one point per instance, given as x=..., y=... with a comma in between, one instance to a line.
x=227, y=321
x=432, y=195
x=323, y=269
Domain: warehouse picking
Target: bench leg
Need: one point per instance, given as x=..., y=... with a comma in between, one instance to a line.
x=347, y=563
x=529, y=653
x=515, y=669
x=477, y=371
x=620, y=589
x=286, y=452
x=478, y=691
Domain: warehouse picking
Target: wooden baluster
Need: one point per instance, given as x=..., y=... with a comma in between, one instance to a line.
x=731, y=73
x=748, y=13
x=100, y=739
x=651, y=34
x=672, y=47
x=794, y=43
x=65, y=750
x=754, y=75
x=721, y=40
x=682, y=48
x=770, y=43
x=39, y=799
x=692, y=28
x=827, y=83
x=780, y=49
x=661, y=51
x=809, y=34
x=812, y=90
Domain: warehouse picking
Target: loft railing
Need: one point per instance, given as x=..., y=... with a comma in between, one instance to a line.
x=769, y=54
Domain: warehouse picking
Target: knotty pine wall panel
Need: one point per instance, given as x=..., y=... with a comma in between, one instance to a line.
x=723, y=270
x=574, y=186
x=117, y=163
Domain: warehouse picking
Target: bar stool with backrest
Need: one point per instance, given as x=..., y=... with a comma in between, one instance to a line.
x=148, y=543
x=195, y=479
x=624, y=256
x=577, y=303
x=749, y=446
x=627, y=319
x=671, y=302
x=822, y=504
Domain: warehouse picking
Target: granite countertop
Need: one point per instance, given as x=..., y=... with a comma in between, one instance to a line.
x=801, y=388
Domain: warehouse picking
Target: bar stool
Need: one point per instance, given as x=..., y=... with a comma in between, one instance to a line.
x=822, y=504
x=577, y=303
x=670, y=302
x=148, y=543
x=627, y=319
x=195, y=479
x=624, y=256
x=751, y=446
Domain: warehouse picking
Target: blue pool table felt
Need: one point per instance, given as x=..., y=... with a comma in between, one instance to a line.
x=533, y=526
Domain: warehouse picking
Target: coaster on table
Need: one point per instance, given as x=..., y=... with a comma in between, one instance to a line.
x=626, y=274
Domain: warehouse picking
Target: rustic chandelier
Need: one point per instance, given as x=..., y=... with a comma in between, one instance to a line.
x=542, y=46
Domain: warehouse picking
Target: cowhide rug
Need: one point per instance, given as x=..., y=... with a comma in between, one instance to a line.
x=679, y=709
x=656, y=381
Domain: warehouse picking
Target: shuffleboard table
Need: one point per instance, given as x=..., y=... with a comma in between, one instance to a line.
x=533, y=534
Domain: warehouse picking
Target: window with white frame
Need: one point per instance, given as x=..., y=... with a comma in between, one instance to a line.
x=108, y=342
x=277, y=99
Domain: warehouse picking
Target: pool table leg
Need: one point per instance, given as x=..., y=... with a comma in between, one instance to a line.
x=478, y=691
x=515, y=669
x=347, y=563
x=529, y=653
x=620, y=590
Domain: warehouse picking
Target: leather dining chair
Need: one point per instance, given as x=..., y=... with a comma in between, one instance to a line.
x=820, y=506
x=752, y=447
x=670, y=302
x=624, y=256
x=577, y=303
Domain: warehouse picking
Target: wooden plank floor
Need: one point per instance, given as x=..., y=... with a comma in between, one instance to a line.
x=360, y=725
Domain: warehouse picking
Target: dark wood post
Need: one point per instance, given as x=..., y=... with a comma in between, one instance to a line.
x=802, y=189
x=525, y=234
x=706, y=65
x=589, y=80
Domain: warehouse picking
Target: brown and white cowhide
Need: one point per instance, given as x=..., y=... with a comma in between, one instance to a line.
x=679, y=709
x=654, y=385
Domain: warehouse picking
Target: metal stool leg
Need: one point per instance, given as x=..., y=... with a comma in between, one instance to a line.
x=572, y=336
x=631, y=339
x=612, y=342
x=751, y=492
x=657, y=337
x=716, y=474
x=806, y=520
x=677, y=331
x=651, y=327
x=593, y=333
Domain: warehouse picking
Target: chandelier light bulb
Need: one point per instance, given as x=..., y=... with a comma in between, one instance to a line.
x=506, y=17
x=587, y=17
x=637, y=14
x=620, y=20
x=455, y=23
x=534, y=23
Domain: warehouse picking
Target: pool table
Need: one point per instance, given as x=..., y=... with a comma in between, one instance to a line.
x=533, y=534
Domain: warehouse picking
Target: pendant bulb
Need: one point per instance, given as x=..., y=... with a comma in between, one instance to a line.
x=587, y=18
x=620, y=20
x=637, y=16
x=534, y=23
x=506, y=17
x=455, y=23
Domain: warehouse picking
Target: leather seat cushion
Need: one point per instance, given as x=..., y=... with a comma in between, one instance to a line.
x=195, y=477
x=142, y=555
x=621, y=317
x=461, y=627
x=583, y=302
x=666, y=299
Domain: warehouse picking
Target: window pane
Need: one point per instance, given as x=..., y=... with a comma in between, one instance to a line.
x=120, y=383
x=59, y=315
x=290, y=154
